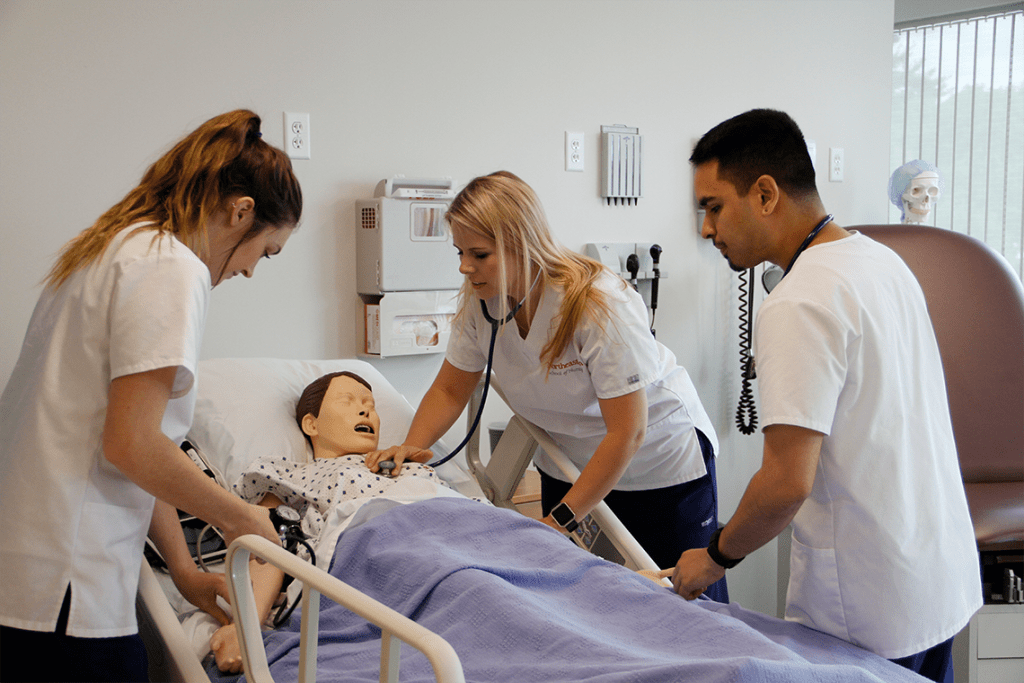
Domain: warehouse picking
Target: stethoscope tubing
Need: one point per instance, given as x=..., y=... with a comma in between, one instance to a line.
x=495, y=325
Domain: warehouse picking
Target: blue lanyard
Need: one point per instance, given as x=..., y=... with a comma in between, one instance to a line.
x=810, y=238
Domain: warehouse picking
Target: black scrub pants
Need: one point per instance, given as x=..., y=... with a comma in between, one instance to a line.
x=56, y=656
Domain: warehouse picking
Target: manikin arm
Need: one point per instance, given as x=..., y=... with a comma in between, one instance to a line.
x=266, y=586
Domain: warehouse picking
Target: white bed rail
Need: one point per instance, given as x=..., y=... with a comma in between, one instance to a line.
x=170, y=653
x=395, y=628
x=509, y=461
x=635, y=556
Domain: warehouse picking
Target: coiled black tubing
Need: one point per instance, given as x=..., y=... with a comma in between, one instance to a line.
x=746, y=411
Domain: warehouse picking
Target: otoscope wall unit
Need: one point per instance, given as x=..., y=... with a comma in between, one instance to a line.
x=638, y=263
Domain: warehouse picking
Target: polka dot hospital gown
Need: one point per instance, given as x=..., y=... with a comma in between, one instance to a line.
x=313, y=488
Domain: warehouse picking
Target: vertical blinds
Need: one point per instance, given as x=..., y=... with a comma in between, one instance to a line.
x=958, y=102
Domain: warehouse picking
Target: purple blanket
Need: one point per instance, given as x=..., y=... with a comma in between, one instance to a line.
x=519, y=602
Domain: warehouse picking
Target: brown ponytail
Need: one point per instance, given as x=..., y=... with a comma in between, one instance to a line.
x=183, y=189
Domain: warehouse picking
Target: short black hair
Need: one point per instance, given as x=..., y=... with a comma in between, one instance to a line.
x=756, y=143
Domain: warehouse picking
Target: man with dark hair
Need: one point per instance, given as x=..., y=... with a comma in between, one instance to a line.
x=858, y=444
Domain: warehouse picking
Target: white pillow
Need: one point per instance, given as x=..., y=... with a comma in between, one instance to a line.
x=245, y=409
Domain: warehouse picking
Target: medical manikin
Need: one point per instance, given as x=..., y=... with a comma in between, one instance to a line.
x=336, y=413
x=915, y=187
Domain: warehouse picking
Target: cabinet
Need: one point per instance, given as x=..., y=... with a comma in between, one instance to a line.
x=991, y=648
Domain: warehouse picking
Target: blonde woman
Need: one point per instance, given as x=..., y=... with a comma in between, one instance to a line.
x=103, y=392
x=577, y=358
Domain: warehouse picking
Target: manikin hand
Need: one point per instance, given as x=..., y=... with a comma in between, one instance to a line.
x=657, y=577
x=224, y=643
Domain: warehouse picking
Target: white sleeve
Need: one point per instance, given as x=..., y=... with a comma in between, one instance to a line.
x=621, y=354
x=157, y=315
x=801, y=364
x=464, y=350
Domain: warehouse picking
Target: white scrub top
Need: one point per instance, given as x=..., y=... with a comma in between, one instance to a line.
x=71, y=517
x=883, y=549
x=603, y=360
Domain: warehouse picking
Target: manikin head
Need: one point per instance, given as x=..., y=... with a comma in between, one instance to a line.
x=336, y=413
x=915, y=187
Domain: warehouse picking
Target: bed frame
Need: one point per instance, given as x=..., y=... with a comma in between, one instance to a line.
x=395, y=628
x=171, y=657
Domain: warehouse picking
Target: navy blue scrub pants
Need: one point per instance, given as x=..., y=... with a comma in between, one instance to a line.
x=56, y=656
x=935, y=663
x=665, y=521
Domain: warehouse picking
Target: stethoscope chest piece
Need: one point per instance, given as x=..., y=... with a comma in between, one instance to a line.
x=771, y=277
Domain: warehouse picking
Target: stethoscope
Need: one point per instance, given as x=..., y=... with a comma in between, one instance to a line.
x=773, y=276
x=746, y=415
x=495, y=326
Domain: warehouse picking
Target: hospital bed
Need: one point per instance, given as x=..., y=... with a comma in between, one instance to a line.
x=244, y=410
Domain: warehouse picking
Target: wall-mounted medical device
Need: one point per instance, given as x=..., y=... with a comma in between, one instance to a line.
x=621, y=167
x=638, y=263
x=402, y=239
x=407, y=272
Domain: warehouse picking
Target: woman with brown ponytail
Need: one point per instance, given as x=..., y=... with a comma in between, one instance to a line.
x=103, y=393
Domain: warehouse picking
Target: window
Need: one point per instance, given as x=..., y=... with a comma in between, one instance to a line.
x=958, y=103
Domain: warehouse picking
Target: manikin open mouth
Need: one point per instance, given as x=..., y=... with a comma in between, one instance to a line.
x=364, y=429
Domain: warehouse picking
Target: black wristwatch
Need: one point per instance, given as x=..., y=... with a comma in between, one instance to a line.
x=565, y=517
x=717, y=556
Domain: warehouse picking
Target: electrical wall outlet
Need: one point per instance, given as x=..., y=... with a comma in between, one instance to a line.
x=835, y=164
x=573, y=151
x=296, y=135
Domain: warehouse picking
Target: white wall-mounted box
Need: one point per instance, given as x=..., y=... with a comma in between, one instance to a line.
x=409, y=323
x=403, y=243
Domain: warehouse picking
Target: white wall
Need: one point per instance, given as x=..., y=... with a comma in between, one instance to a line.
x=92, y=92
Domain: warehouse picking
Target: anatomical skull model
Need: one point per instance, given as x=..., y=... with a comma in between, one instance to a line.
x=921, y=195
x=915, y=187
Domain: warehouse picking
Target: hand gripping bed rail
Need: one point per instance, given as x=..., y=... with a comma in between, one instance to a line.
x=635, y=556
x=395, y=628
x=502, y=474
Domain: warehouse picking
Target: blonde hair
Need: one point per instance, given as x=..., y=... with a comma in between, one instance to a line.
x=501, y=207
x=182, y=190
